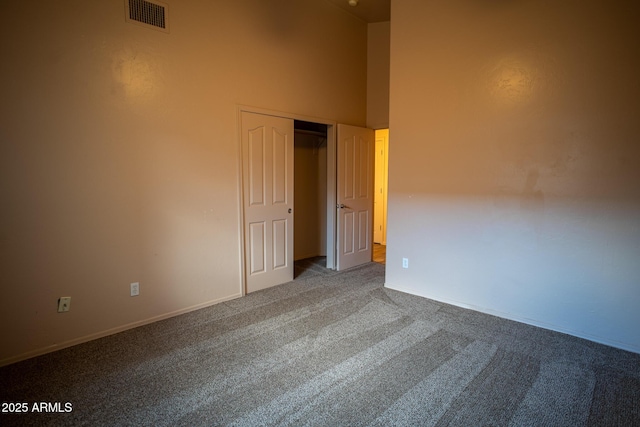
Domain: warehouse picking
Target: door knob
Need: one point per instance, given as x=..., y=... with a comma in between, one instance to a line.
x=289, y=210
x=341, y=206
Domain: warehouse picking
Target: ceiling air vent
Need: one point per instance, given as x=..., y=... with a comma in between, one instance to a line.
x=151, y=14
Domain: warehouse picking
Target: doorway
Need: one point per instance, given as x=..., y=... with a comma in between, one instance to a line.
x=380, y=199
x=266, y=153
x=266, y=143
x=310, y=197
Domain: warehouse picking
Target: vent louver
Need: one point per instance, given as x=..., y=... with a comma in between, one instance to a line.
x=152, y=14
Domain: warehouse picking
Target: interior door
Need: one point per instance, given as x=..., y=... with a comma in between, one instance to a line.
x=355, y=162
x=267, y=164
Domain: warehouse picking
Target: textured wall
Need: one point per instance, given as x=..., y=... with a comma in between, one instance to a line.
x=378, y=75
x=119, y=152
x=514, y=179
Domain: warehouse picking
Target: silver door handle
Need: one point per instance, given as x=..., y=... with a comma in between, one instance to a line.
x=289, y=210
x=342, y=206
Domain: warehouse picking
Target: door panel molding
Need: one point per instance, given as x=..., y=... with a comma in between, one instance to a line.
x=257, y=235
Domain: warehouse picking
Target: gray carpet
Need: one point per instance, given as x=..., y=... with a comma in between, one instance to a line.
x=331, y=349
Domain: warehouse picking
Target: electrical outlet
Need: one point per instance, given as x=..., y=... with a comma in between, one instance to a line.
x=135, y=289
x=64, y=304
x=405, y=262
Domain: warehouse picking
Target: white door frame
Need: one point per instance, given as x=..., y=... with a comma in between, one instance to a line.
x=331, y=182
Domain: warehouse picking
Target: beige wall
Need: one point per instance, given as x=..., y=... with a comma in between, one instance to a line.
x=514, y=178
x=378, y=75
x=119, y=151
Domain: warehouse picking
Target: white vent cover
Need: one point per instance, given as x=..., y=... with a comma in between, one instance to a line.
x=151, y=14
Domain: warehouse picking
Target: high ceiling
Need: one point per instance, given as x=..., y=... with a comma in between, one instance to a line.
x=367, y=10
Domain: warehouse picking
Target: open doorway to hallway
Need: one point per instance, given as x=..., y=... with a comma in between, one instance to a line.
x=380, y=198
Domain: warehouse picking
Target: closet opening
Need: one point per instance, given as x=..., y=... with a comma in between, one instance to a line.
x=310, y=198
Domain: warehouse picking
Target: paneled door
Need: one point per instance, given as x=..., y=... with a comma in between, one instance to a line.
x=355, y=163
x=267, y=163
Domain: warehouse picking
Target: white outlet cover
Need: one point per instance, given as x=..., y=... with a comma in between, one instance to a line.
x=135, y=289
x=64, y=304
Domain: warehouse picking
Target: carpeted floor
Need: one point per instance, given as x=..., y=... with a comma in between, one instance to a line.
x=331, y=349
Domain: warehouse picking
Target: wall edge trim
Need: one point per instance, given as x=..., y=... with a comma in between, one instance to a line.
x=509, y=316
x=112, y=331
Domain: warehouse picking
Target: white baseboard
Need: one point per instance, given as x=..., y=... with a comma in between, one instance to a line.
x=520, y=319
x=91, y=337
